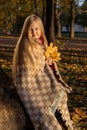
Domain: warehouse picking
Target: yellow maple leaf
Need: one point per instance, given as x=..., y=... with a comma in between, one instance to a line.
x=52, y=51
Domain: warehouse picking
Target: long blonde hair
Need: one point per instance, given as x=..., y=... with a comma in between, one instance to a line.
x=25, y=49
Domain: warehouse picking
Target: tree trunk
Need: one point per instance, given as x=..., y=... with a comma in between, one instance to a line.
x=72, y=28
x=58, y=26
x=50, y=21
x=35, y=4
x=57, y=22
x=72, y=19
x=44, y=11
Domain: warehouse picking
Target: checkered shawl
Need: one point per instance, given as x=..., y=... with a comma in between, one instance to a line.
x=38, y=93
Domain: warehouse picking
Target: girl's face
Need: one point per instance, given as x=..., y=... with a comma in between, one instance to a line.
x=34, y=30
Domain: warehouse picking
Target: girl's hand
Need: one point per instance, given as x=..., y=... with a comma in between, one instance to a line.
x=49, y=61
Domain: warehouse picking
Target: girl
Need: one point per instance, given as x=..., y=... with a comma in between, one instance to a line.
x=37, y=79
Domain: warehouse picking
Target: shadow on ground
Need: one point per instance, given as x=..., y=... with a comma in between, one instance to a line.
x=12, y=113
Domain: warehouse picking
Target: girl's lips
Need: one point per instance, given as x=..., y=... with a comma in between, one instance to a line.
x=33, y=35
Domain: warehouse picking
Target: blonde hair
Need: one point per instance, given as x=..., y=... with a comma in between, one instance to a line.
x=26, y=48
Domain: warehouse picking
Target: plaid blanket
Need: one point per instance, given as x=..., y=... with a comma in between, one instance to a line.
x=38, y=93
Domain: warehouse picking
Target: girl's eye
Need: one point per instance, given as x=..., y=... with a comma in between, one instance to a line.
x=31, y=30
x=36, y=28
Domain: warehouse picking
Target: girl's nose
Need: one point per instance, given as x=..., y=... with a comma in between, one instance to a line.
x=33, y=32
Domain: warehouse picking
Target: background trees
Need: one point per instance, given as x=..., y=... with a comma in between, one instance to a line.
x=66, y=12
x=54, y=13
x=81, y=18
x=74, y=10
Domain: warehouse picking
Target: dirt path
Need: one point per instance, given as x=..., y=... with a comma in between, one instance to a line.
x=11, y=41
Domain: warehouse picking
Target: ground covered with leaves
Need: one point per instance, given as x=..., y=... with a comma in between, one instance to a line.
x=73, y=68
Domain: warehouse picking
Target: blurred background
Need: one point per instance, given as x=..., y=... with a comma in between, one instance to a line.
x=63, y=17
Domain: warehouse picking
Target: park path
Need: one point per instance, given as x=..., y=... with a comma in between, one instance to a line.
x=74, y=43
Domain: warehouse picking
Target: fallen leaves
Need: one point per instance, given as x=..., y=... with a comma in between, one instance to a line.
x=78, y=115
x=6, y=55
x=73, y=68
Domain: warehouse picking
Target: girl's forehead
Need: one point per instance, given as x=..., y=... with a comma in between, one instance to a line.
x=34, y=23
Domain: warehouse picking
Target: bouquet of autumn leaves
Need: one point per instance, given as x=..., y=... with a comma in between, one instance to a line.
x=52, y=52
